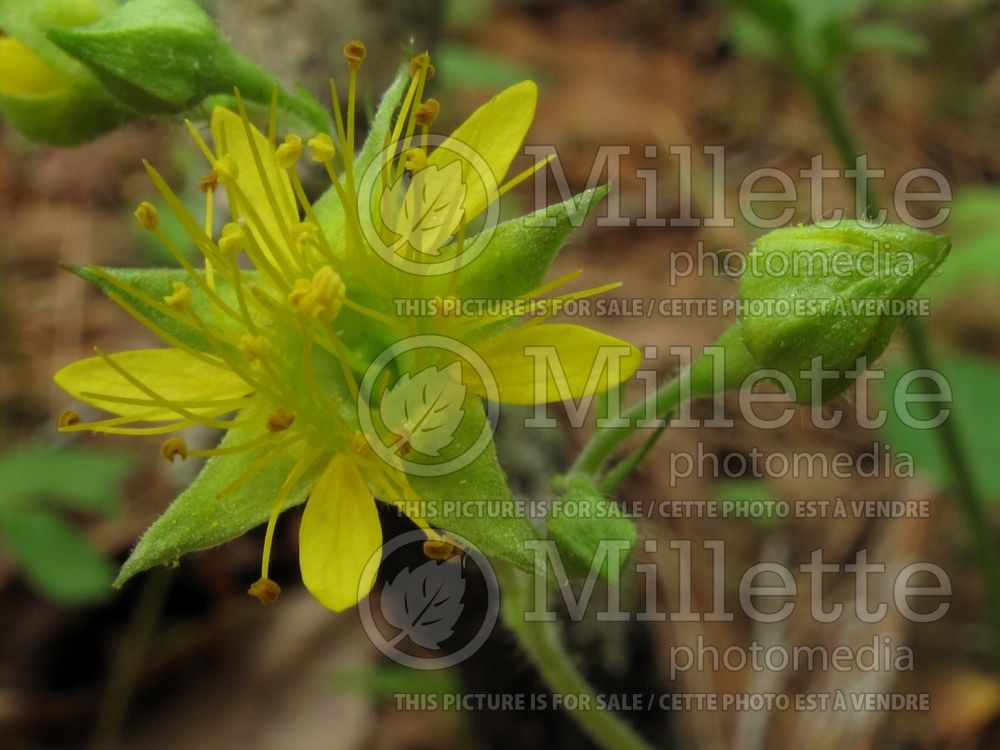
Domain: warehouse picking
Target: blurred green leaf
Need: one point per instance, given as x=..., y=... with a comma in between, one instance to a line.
x=889, y=37
x=974, y=225
x=462, y=65
x=75, y=478
x=55, y=557
x=976, y=412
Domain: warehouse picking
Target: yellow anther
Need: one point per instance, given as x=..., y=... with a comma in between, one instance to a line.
x=254, y=347
x=209, y=183
x=147, y=216
x=431, y=72
x=304, y=232
x=419, y=62
x=442, y=549
x=321, y=297
x=227, y=169
x=289, y=152
x=265, y=591
x=68, y=418
x=322, y=148
x=174, y=448
x=426, y=113
x=280, y=421
x=181, y=297
x=355, y=53
x=232, y=240
x=415, y=159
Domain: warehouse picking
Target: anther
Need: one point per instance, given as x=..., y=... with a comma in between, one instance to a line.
x=147, y=216
x=322, y=148
x=227, y=168
x=289, y=152
x=441, y=549
x=254, y=347
x=355, y=53
x=415, y=159
x=173, y=449
x=232, y=239
x=181, y=297
x=209, y=183
x=303, y=232
x=359, y=444
x=265, y=591
x=280, y=421
x=426, y=113
x=322, y=297
x=418, y=63
x=68, y=418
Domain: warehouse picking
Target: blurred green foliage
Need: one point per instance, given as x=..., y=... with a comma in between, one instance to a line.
x=40, y=487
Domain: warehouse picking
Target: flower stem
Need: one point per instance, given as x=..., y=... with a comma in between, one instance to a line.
x=543, y=643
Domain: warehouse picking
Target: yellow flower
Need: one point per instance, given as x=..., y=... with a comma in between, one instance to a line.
x=278, y=350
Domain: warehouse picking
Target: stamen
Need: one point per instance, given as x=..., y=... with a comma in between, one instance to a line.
x=288, y=153
x=232, y=241
x=419, y=63
x=280, y=420
x=265, y=591
x=181, y=298
x=173, y=449
x=209, y=183
x=355, y=53
x=321, y=298
x=442, y=549
x=147, y=216
x=322, y=148
x=415, y=159
x=254, y=347
x=293, y=478
x=426, y=113
x=68, y=418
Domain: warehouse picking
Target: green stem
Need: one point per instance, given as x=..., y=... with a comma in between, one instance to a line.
x=972, y=502
x=543, y=643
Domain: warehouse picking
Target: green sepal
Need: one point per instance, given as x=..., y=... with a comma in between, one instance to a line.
x=522, y=250
x=475, y=502
x=199, y=519
x=580, y=521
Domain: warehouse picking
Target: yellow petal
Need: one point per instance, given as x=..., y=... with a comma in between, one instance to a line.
x=25, y=74
x=340, y=533
x=172, y=374
x=267, y=187
x=495, y=131
x=557, y=362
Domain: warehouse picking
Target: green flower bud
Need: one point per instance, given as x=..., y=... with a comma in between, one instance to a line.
x=581, y=520
x=44, y=93
x=162, y=56
x=833, y=293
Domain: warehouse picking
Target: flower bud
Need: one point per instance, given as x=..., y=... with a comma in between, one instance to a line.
x=831, y=296
x=44, y=93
